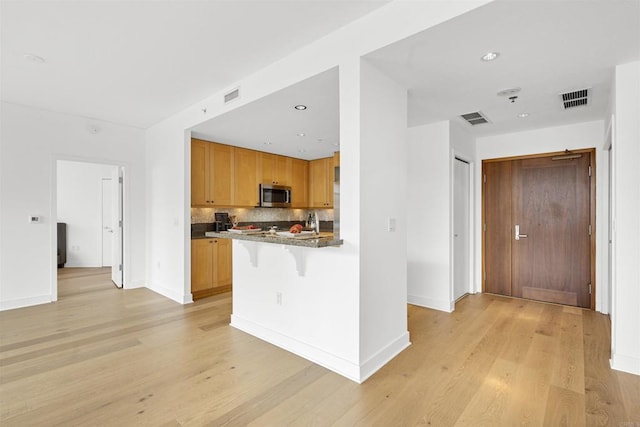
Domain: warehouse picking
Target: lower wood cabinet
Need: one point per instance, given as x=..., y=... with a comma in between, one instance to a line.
x=211, y=271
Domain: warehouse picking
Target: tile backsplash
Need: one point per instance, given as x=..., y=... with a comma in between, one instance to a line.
x=204, y=215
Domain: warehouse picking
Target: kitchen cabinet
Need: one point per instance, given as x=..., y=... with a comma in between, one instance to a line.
x=321, y=173
x=245, y=177
x=275, y=169
x=211, y=166
x=299, y=183
x=210, y=267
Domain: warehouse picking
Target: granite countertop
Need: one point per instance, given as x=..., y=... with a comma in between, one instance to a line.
x=320, y=241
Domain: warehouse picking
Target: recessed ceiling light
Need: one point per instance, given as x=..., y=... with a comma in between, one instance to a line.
x=523, y=115
x=320, y=139
x=34, y=58
x=300, y=107
x=268, y=143
x=490, y=56
x=302, y=151
x=336, y=144
x=301, y=134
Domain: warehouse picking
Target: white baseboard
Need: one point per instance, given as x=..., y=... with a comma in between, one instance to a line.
x=334, y=363
x=625, y=363
x=25, y=302
x=134, y=284
x=176, y=296
x=348, y=369
x=382, y=357
x=436, y=304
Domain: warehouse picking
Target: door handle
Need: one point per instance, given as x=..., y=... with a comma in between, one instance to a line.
x=517, y=233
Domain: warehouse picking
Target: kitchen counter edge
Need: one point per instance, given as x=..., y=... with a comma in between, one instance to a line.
x=321, y=242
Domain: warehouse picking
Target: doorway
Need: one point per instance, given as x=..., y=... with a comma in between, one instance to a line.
x=89, y=200
x=538, y=221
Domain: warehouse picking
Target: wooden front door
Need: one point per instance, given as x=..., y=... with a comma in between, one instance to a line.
x=538, y=234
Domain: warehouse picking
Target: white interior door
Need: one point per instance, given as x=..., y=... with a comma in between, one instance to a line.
x=107, y=222
x=461, y=256
x=117, y=266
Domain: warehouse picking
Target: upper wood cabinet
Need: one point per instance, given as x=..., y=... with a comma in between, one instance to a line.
x=245, y=177
x=275, y=169
x=299, y=183
x=211, y=166
x=199, y=173
x=321, y=174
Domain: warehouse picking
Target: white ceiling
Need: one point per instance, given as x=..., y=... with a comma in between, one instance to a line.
x=273, y=124
x=138, y=62
x=546, y=47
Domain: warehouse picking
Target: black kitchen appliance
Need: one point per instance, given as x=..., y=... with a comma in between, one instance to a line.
x=223, y=223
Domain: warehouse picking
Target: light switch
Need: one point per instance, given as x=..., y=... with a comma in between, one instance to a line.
x=391, y=225
x=34, y=219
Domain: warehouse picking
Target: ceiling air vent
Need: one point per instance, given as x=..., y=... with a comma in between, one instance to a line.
x=232, y=95
x=475, y=118
x=575, y=98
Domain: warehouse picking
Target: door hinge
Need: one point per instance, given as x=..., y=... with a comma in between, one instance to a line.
x=589, y=170
x=120, y=223
x=120, y=179
x=485, y=276
x=589, y=229
x=589, y=288
x=484, y=227
x=484, y=178
x=119, y=267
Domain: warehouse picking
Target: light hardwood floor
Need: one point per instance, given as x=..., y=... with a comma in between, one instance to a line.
x=103, y=356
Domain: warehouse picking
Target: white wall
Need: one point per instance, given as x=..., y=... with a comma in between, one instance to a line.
x=429, y=216
x=79, y=198
x=168, y=154
x=383, y=253
x=625, y=316
x=168, y=149
x=31, y=143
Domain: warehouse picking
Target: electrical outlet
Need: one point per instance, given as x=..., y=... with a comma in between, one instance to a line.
x=279, y=298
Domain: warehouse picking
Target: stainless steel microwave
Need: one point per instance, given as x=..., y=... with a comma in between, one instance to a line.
x=275, y=196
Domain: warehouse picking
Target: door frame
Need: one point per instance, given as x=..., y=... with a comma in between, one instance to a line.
x=53, y=209
x=592, y=208
x=471, y=288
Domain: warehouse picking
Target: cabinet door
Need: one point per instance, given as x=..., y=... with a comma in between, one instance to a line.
x=201, y=264
x=222, y=275
x=245, y=188
x=283, y=170
x=267, y=172
x=199, y=172
x=329, y=176
x=317, y=172
x=299, y=183
x=221, y=161
x=274, y=169
x=321, y=183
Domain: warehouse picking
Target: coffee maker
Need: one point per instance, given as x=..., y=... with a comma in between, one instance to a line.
x=222, y=221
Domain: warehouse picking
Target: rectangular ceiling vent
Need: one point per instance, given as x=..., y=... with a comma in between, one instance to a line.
x=234, y=94
x=474, y=119
x=575, y=98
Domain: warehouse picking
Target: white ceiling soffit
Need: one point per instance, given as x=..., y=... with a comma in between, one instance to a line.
x=546, y=48
x=138, y=62
x=272, y=123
